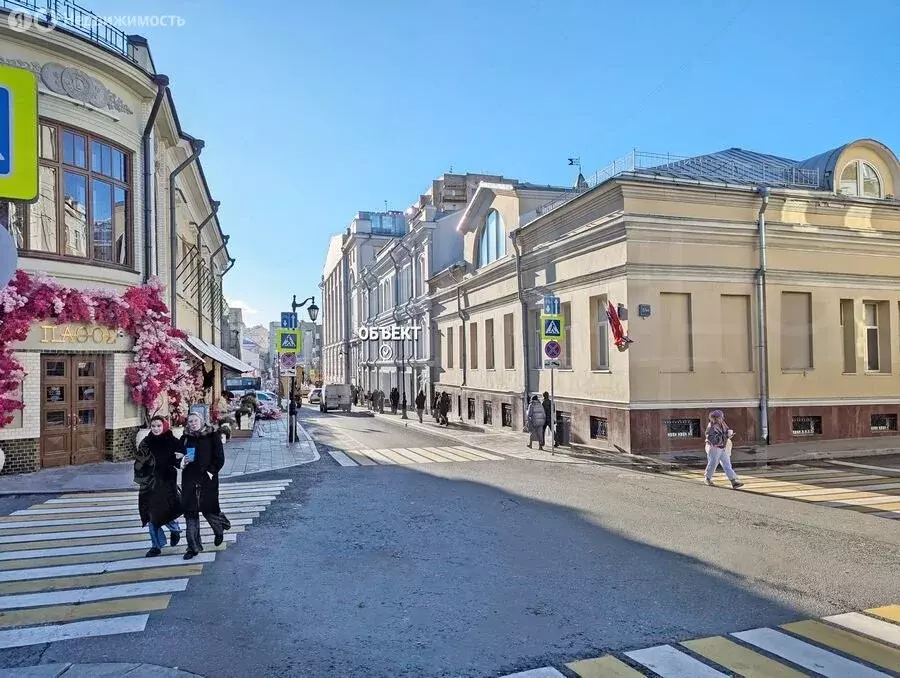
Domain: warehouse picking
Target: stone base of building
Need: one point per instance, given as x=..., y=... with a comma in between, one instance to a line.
x=120, y=445
x=658, y=431
x=22, y=455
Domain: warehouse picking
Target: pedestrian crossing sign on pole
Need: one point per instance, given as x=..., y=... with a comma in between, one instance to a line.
x=289, y=341
x=552, y=327
x=18, y=134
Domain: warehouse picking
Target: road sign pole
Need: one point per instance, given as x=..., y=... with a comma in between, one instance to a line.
x=552, y=410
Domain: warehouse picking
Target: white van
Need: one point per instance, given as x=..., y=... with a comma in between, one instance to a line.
x=335, y=397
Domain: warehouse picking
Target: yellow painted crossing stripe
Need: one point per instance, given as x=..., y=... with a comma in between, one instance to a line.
x=412, y=456
x=466, y=453
x=848, y=643
x=126, y=522
x=889, y=612
x=446, y=453
x=105, y=579
x=67, y=613
x=603, y=667
x=50, y=561
x=744, y=662
x=426, y=452
x=377, y=457
x=361, y=459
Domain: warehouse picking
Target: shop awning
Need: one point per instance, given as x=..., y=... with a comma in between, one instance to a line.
x=219, y=355
x=187, y=349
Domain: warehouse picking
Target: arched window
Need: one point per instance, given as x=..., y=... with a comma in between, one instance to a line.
x=492, y=245
x=860, y=179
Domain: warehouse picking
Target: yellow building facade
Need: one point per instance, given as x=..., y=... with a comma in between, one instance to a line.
x=717, y=265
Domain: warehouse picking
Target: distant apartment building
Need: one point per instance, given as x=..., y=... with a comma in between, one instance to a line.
x=760, y=285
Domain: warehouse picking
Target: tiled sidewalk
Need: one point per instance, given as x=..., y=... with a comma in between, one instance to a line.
x=267, y=450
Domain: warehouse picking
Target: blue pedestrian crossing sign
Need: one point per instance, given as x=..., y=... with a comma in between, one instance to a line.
x=552, y=327
x=18, y=134
x=289, y=321
x=288, y=341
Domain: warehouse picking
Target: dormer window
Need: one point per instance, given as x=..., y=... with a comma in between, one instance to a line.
x=492, y=244
x=859, y=179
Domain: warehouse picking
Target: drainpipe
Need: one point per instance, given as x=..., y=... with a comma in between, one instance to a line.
x=162, y=82
x=196, y=147
x=215, y=208
x=412, y=293
x=762, y=328
x=514, y=236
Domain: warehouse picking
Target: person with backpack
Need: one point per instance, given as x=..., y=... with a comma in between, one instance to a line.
x=718, y=444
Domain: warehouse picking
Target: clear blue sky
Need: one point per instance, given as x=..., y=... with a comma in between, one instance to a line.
x=312, y=111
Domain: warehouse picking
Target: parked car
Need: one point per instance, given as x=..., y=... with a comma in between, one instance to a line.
x=315, y=396
x=267, y=397
x=335, y=397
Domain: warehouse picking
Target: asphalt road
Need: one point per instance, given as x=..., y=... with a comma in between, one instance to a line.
x=482, y=569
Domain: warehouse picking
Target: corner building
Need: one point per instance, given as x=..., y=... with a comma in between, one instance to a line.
x=109, y=139
x=719, y=265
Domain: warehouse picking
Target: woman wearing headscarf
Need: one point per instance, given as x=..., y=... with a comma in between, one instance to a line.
x=536, y=420
x=156, y=475
x=204, y=457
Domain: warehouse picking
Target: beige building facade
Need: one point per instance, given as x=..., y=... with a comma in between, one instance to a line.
x=759, y=285
x=110, y=140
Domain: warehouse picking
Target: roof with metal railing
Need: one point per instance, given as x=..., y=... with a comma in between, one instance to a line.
x=733, y=166
x=71, y=17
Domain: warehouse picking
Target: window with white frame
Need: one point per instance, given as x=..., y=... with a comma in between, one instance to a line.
x=600, y=334
x=492, y=244
x=860, y=179
x=872, y=348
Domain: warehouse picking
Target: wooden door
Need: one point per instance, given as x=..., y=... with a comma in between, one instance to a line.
x=72, y=410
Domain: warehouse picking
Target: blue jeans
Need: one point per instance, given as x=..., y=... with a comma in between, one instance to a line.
x=158, y=537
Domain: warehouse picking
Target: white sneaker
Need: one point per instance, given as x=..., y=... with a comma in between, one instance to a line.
x=710, y=482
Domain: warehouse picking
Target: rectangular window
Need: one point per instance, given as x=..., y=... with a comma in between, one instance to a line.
x=82, y=210
x=737, y=345
x=677, y=351
x=848, y=335
x=566, y=362
x=462, y=347
x=509, y=342
x=806, y=426
x=870, y=315
x=599, y=428
x=796, y=331
x=489, y=344
x=506, y=416
x=488, y=412
x=599, y=334
x=450, y=350
x=682, y=428
x=473, y=345
x=884, y=422
x=470, y=409
x=534, y=320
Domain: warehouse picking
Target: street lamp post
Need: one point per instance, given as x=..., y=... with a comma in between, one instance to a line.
x=313, y=311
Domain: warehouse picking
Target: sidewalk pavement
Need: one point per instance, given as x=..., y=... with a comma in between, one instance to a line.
x=96, y=671
x=514, y=443
x=266, y=450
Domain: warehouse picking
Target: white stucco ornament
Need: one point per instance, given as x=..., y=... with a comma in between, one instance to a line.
x=8, y=257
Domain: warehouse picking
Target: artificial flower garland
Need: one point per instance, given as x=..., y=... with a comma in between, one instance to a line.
x=139, y=311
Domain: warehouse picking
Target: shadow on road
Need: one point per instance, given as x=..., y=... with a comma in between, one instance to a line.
x=393, y=572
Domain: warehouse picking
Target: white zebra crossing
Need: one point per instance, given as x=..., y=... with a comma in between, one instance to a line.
x=408, y=456
x=849, y=645
x=74, y=566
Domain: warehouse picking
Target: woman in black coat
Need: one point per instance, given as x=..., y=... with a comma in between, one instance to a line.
x=155, y=472
x=204, y=458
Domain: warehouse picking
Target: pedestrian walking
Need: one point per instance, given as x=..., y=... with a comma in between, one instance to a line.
x=718, y=448
x=204, y=458
x=536, y=420
x=156, y=475
x=444, y=408
x=395, y=400
x=548, y=409
x=420, y=404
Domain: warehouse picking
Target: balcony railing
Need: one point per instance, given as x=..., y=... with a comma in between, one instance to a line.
x=71, y=17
